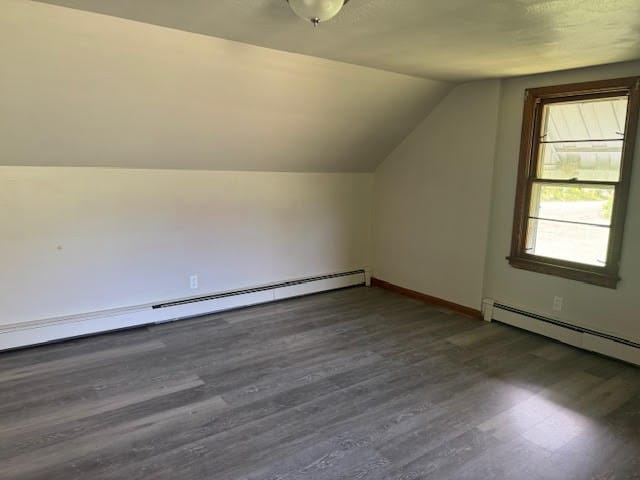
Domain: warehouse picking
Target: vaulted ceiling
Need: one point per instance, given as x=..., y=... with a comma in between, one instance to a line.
x=442, y=39
x=83, y=89
x=247, y=85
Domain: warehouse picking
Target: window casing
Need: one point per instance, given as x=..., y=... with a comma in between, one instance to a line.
x=553, y=233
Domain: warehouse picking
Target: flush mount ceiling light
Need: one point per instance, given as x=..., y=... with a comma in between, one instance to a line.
x=316, y=11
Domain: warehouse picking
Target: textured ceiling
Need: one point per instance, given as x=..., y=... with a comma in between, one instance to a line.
x=441, y=39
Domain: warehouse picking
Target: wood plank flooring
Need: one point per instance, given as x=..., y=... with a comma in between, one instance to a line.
x=353, y=384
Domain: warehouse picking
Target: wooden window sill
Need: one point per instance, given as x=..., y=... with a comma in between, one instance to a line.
x=596, y=276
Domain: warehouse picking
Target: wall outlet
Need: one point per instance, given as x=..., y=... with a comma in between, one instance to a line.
x=193, y=281
x=557, y=304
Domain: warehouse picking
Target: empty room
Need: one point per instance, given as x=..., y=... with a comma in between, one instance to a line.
x=319, y=239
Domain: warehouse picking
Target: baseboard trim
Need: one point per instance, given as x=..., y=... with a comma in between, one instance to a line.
x=39, y=332
x=469, y=312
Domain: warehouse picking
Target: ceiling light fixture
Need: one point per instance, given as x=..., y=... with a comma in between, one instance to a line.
x=316, y=11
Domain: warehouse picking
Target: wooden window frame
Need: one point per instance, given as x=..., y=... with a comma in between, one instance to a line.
x=535, y=100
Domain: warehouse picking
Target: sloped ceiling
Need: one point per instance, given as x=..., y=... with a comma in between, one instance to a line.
x=445, y=39
x=80, y=88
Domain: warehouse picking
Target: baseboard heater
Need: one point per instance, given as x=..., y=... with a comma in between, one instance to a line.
x=26, y=334
x=581, y=337
x=265, y=288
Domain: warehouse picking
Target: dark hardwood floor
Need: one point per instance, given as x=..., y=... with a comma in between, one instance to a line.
x=353, y=384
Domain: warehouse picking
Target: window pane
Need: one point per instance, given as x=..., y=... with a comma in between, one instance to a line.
x=599, y=161
x=597, y=119
x=572, y=203
x=568, y=241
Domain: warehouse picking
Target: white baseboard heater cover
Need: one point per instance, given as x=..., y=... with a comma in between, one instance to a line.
x=576, y=336
x=39, y=332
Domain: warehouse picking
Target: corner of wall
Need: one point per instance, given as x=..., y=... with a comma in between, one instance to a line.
x=412, y=241
x=498, y=122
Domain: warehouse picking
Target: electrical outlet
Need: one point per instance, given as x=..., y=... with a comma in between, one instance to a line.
x=193, y=281
x=557, y=304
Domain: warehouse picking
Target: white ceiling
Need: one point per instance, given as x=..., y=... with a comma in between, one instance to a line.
x=82, y=89
x=440, y=39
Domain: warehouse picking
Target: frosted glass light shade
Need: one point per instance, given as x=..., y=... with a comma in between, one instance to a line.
x=316, y=11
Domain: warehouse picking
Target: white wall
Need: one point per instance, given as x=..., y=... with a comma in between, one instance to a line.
x=84, y=90
x=78, y=240
x=432, y=198
x=615, y=312
x=87, y=90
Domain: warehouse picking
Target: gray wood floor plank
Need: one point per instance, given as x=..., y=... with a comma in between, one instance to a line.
x=71, y=363
x=357, y=383
x=29, y=423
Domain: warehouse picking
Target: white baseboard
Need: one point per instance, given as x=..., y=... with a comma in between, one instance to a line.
x=575, y=336
x=53, y=329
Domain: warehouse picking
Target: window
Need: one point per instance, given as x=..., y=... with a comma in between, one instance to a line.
x=573, y=181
